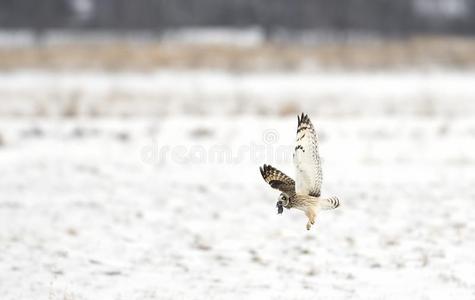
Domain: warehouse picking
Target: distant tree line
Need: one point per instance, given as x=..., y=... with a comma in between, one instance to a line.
x=388, y=17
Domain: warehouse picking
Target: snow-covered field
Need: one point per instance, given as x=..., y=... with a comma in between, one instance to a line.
x=174, y=208
x=170, y=92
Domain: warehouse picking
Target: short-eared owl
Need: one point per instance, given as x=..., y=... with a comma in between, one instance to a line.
x=304, y=193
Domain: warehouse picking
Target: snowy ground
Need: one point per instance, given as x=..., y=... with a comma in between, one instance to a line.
x=208, y=92
x=174, y=208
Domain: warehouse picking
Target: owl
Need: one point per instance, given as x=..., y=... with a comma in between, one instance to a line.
x=305, y=192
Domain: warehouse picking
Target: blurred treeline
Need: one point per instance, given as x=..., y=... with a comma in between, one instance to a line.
x=379, y=17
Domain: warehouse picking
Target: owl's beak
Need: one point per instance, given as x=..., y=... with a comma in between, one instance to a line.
x=280, y=207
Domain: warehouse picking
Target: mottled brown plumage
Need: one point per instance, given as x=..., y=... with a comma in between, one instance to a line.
x=305, y=193
x=277, y=179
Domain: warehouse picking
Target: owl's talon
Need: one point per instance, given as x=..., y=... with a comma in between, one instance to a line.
x=308, y=226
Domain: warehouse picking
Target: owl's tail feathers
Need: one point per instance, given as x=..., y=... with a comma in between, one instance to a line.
x=329, y=203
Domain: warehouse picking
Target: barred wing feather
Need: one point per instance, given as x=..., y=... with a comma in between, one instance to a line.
x=277, y=179
x=306, y=159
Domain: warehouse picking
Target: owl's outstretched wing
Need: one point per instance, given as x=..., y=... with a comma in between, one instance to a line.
x=306, y=159
x=277, y=180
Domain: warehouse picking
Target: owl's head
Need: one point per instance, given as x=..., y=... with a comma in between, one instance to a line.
x=282, y=202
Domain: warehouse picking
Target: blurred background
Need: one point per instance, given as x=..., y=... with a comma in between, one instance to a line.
x=104, y=57
x=131, y=133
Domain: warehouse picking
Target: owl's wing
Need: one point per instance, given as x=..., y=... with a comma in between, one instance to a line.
x=306, y=159
x=277, y=180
